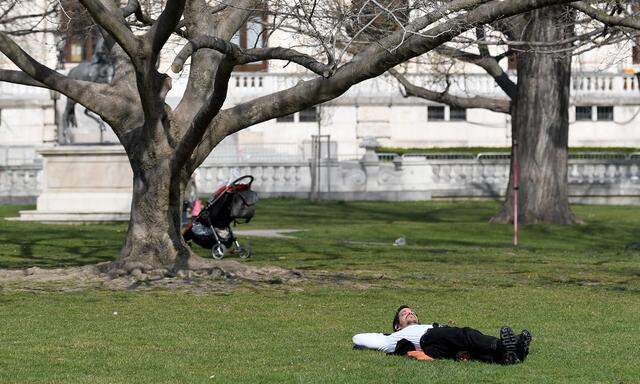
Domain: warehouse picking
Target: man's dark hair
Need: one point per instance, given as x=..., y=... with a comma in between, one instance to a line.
x=396, y=318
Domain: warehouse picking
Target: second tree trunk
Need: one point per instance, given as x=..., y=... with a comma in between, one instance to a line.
x=540, y=122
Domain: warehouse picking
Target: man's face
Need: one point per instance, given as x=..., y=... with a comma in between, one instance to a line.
x=407, y=317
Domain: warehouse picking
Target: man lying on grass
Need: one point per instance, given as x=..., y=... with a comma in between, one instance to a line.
x=435, y=341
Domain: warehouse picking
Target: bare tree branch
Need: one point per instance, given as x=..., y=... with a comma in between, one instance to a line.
x=488, y=63
x=482, y=48
x=8, y=9
x=29, y=31
x=87, y=93
x=419, y=24
x=146, y=21
x=418, y=44
x=370, y=62
x=494, y=104
x=204, y=62
x=202, y=119
x=609, y=19
x=165, y=25
x=19, y=77
x=218, y=8
x=13, y=19
x=514, y=43
x=112, y=20
x=244, y=56
x=132, y=7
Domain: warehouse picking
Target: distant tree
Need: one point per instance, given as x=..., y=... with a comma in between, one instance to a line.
x=540, y=44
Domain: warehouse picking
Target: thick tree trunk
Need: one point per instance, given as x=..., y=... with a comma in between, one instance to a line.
x=154, y=239
x=540, y=124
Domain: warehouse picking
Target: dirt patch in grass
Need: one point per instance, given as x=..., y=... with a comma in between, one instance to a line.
x=220, y=275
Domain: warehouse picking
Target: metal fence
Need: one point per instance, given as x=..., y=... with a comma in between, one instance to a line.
x=593, y=155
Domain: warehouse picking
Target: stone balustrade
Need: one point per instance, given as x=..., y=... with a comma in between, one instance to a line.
x=261, y=83
x=20, y=184
x=70, y=189
x=584, y=85
x=590, y=172
x=606, y=181
x=604, y=82
x=276, y=179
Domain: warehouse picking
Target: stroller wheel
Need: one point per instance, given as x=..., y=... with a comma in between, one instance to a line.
x=218, y=251
x=244, y=252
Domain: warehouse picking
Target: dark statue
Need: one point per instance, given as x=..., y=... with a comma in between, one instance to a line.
x=99, y=70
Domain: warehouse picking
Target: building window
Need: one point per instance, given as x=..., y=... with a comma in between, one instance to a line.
x=435, y=113
x=583, y=113
x=255, y=31
x=457, y=114
x=77, y=31
x=308, y=115
x=605, y=113
x=285, y=119
x=252, y=35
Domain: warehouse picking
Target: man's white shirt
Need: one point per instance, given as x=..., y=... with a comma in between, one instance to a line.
x=387, y=343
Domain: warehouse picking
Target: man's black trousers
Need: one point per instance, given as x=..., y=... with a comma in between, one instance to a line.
x=449, y=342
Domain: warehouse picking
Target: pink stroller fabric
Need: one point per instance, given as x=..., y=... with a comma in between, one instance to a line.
x=197, y=207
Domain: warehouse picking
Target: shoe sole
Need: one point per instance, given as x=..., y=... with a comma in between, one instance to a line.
x=525, y=340
x=509, y=341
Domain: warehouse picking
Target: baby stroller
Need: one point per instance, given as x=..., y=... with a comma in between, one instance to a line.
x=232, y=203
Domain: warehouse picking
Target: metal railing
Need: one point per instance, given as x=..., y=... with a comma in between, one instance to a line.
x=598, y=155
x=387, y=157
x=592, y=155
x=438, y=156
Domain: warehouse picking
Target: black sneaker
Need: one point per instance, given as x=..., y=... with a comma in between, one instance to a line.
x=522, y=346
x=508, y=340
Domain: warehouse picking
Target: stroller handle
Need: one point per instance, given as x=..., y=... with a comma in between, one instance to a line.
x=233, y=183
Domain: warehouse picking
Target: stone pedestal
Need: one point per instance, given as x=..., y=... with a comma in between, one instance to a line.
x=83, y=183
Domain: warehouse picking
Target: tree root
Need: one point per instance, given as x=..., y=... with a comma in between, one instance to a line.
x=115, y=275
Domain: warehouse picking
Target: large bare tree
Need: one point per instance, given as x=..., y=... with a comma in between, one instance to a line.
x=541, y=43
x=165, y=145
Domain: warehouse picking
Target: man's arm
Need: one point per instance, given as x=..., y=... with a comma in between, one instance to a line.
x=384, y=343
x=376, y=341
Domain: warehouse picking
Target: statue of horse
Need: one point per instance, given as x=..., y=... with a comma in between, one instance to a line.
x=99, y=70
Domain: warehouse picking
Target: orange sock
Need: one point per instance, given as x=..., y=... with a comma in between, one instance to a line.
x=419, y=355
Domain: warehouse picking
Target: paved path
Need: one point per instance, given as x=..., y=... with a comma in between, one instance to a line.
x=279, y=233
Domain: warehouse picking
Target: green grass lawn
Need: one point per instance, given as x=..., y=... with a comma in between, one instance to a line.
x=577, y=289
